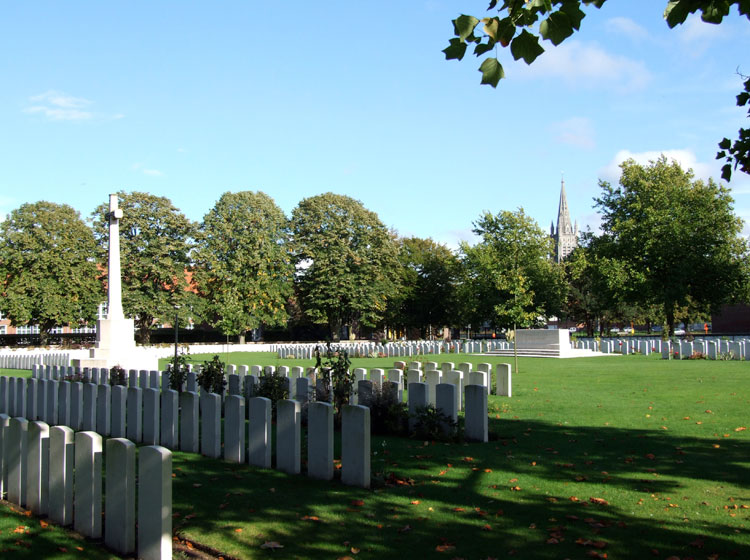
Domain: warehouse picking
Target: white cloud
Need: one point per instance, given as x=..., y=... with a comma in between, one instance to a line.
x=686, y=159
x=626, y=26
x=575, y=131
x=697, y=33
x=58, y=106
x=150, y=172
x=588, y=65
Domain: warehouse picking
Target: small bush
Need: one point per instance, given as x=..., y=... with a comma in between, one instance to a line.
x=178, y=373
x=697, y=356
x=211, y=376
x=118, y=376
x=274, y=388
x=333, y=367
x=388, y=416
x=429, y=423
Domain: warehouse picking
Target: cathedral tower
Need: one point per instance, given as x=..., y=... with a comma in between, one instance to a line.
x=566, y=235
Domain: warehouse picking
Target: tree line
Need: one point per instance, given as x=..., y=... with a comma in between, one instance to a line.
x=670, y=249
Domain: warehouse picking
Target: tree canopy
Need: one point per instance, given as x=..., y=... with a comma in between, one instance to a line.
x=676, y=239
x=510, y=278
x=520, y=24
x=48, y=275
x=346, y=260
x=155, y=243
x=244, y=268
x=426, y=298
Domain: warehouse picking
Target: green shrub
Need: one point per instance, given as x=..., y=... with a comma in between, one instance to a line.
x=388, y=415
x=429, y=422
x=333, y=368
x=178, y=373
x=273, y=387
x=118, y=376
x=211, y=376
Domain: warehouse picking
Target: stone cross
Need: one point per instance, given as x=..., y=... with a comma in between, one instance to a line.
x=114, y=283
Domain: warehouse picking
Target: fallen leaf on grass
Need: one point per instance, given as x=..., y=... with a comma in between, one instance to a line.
x=599, y=501
x=43, y=524
x=21, y=529
x=446, y=547
x=310, y=518
x=238, y=530
x=415, y=502
x=358, y=503
x=740, y=429
x=587, y=542
x=272, y=545
x=458, y=509
x=515, y=488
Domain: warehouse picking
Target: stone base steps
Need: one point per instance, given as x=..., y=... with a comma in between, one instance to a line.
x=528, y=353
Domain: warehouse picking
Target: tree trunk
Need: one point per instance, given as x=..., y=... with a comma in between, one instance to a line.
x=241, y=338
x=669, y=314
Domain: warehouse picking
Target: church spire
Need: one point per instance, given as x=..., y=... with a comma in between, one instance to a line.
x=566, y=237
x=564, y=225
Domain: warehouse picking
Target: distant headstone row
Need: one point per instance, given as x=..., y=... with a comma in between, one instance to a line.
x=712, y=348
x=391, y=349
x=20, y=360
x=56, y=472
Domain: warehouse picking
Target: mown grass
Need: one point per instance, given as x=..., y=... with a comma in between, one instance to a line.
x=24, y=536
x=623, y=456
x=653, y=443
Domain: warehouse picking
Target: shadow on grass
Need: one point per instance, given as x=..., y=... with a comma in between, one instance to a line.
x=510, y=497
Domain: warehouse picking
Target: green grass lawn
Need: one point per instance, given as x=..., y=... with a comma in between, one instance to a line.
x=616, y=457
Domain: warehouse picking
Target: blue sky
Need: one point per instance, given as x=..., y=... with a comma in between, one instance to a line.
x=189, y=100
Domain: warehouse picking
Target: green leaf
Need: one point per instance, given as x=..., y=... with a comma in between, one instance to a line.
x=456, y=49
x=482, y=48
x=726, y=172
x=725, y=144
x=464, y=26
x=526, y=46
x=492, y=72
x=491, y=26
x=676, y=12
x=557, y=27
x=506, y=31
x=715, y=12
x=574, y=13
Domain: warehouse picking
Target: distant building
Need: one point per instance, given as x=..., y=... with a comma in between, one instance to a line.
x=566, y=234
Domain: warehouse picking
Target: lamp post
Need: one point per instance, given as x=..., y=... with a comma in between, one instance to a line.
x=176, y=335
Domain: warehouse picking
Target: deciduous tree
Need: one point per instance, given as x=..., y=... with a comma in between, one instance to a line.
x=426, y=298
x=244, y=268
x=48, y=274
x=155, y=243
x=677, y=238
x=509, y=274
x=346, y=259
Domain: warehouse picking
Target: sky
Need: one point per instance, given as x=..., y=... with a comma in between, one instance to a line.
x=189, y=100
